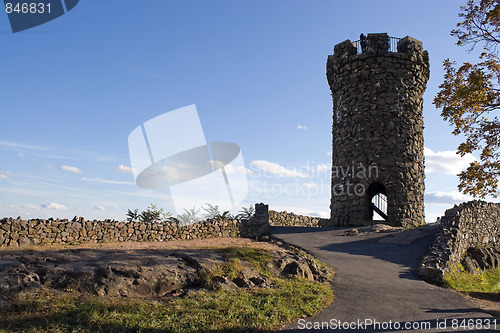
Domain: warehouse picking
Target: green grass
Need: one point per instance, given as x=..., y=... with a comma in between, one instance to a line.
x=258, y=257
x=241, y=310
x=483, y=281
x=211, y=310
x=234, y=258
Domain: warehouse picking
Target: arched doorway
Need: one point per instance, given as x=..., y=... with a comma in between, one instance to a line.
x=378, y=202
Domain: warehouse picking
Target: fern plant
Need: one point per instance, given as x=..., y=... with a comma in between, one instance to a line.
x=189, y=216
x=225, y=215
x=212, y=211
x=150, y=215
x=133, y=216
x=246, y=213
x=146, y=216
x=172, y=219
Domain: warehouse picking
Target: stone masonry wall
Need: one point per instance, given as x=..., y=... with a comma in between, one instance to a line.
x=294, y=220
x=18, y=232
x=471, y=224
x=377, y=130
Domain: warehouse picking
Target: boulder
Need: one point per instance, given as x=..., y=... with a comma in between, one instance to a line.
x=481, y=258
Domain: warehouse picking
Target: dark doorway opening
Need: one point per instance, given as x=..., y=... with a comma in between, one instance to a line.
x=378, y=202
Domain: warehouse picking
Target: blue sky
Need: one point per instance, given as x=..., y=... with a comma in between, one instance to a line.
x=73, y=89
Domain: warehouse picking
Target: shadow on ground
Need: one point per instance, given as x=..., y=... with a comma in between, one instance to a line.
x=370, y=245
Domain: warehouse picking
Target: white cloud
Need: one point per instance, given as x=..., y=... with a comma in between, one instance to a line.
x=16, y=145
x=450, y=197
x=447, y=162
x=321, y=213
x=271, y=168
x=302, y=211
x=124, y=169
x=326, y=168
x=106, y=181
x=55, y=205
x=28, y=206
x=70, y=169
x=101, y=208
x=232, y=170
x=310, y=185
x=4, y=175
x=301, y=127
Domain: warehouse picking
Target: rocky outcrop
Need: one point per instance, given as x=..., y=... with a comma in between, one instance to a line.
x=150, y=273
x=481, y=258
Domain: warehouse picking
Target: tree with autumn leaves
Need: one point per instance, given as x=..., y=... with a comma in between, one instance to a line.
x=470, y=96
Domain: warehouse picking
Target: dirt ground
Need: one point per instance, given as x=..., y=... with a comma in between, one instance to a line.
x=487, y=302
x=206, y=243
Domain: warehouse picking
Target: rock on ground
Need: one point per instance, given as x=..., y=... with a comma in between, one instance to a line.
x=145, y=272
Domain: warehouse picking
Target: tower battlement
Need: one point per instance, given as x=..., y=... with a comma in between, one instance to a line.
x=380, y=44
x=377, y=93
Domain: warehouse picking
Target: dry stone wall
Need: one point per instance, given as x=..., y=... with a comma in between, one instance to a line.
x=469, y=225
x=15, y=232
x=18, y=232
x=377, y=130
x=294, y=220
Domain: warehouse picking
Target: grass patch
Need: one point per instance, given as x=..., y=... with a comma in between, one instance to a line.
x=249, y=254
x=487, y=281
x=241, y=310
x=235, y=257
x=257, y=257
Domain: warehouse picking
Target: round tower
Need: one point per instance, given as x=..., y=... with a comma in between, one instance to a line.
x=378, y=143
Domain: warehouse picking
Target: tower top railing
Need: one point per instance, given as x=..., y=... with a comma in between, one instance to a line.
x=378, y=43
x=393, y=44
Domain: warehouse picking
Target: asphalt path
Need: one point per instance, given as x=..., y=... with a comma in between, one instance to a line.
x=376, y=283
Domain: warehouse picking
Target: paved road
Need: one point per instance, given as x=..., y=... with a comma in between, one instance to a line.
x=376, y=280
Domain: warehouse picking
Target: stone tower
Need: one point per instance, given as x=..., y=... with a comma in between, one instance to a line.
x=378, y=143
